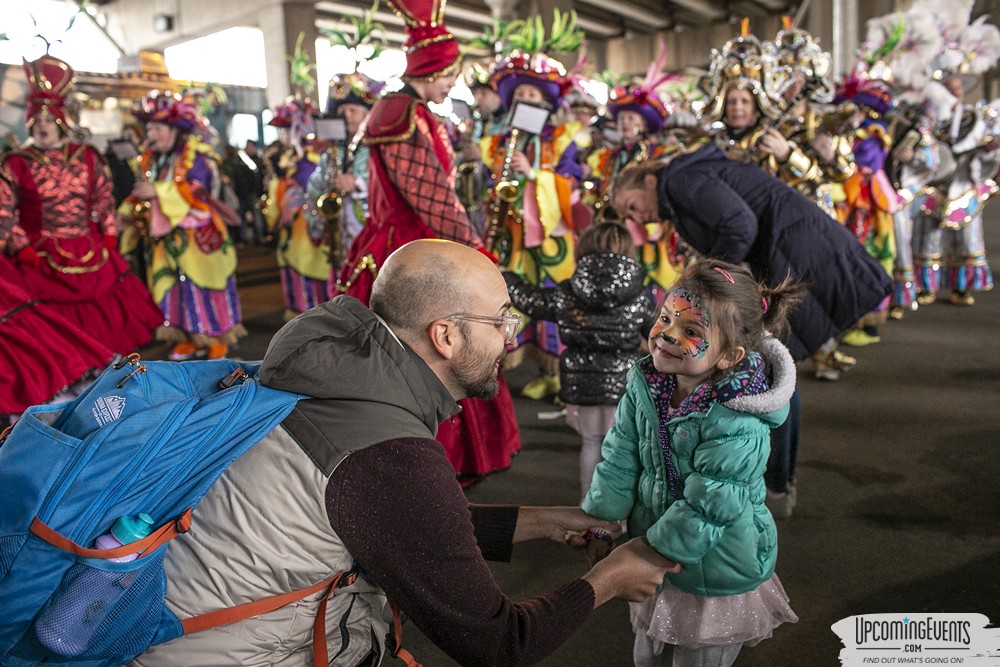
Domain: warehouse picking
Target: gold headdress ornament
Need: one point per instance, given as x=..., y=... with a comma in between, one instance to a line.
x=478, y=75
x=743, y=63
x=796, y=51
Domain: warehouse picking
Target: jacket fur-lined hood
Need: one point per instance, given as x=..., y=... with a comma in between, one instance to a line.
x=780, y=387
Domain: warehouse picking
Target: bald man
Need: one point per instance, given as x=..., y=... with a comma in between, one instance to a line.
x=353, y=479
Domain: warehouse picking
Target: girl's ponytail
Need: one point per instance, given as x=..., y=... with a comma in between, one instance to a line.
x=778, y=301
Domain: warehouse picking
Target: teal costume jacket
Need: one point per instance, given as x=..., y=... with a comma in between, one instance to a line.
x=719, y=530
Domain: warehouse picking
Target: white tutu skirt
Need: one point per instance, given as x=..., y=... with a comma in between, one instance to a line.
x=590, y=419
x=675, y=617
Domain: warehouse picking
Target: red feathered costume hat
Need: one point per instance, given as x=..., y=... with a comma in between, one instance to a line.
x=49, y=81
x=431, y=50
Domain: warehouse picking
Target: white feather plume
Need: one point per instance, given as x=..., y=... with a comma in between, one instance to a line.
x=981, y=41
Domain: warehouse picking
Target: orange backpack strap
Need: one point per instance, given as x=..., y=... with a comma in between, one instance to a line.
x=146, y=545
x=397, y=628
x=257, y=607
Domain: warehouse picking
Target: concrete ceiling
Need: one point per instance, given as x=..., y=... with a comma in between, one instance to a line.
x=600, y=19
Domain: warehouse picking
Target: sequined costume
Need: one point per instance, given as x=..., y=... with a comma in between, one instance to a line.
x=411, y=195
x=303, y=250
x=411, y=189
x=191, y=260
x=870, y=201
x=949, y=251
x=534, y=235
x=58, y=206
x=351, y=96
x=57, y=221
x=355, y=204
x=909, y=179
x=537, y=236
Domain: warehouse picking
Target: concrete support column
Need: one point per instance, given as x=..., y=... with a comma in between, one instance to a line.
x=845, y=36
x=281, y=24
x=505, y=10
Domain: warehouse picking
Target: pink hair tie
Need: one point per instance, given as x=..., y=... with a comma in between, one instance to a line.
x=725, y=273
x=763, y=302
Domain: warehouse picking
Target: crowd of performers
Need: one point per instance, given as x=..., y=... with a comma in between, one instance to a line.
x=892, y=151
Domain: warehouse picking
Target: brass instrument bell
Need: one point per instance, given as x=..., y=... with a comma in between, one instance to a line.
x=330, y=204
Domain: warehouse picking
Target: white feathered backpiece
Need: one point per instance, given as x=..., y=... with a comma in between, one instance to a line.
x=981, y=45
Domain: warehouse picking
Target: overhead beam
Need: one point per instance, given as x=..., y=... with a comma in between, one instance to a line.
x=703, y=7
x=655, y=21
x=775, y=6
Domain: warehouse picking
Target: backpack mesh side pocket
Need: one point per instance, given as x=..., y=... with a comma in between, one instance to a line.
x=102, y=611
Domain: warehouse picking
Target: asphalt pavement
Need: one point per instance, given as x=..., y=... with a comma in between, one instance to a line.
x=898, y=483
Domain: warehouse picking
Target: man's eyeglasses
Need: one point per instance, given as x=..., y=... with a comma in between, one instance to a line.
x=509, y=324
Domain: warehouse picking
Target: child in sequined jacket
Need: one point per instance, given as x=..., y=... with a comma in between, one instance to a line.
x=603, y=313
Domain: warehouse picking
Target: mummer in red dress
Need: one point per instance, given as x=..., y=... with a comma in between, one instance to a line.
x=57, y=223
x=412, y=196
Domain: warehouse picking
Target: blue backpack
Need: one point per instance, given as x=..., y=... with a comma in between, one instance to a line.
x=143, y=438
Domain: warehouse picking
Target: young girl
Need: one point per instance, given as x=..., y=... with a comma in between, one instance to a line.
x=684, y=464
x=603, y=313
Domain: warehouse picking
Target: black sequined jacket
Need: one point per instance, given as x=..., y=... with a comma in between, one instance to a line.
x=603, y=312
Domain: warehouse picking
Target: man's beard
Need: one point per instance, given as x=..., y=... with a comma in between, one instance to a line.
x=474, y=376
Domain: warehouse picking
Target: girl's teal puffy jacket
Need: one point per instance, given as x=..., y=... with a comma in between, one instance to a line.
x=719, y=531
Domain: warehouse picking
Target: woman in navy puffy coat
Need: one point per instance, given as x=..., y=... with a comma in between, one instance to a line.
x=738, y=213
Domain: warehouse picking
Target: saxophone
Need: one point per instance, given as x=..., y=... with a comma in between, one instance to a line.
x=331, y=203
x=505, y=191
x=141, y=207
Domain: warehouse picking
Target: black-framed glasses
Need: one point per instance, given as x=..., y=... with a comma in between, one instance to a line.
x=508, y=324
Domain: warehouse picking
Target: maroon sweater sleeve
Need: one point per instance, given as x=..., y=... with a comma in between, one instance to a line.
x=404, y=518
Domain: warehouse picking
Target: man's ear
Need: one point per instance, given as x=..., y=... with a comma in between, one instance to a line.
x=731, y=357
x=443, y=336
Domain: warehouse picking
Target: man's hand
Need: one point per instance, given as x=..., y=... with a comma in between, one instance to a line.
x=822, y=144
x=554, y=522
x=344, y=183
x=772, y=143
x=632, y=572
x=520, y=163
x=904, y=155
x=471, y=152
x=143, y=191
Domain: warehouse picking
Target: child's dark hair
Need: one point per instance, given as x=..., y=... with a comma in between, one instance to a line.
x=743, y=310
x=605, y=237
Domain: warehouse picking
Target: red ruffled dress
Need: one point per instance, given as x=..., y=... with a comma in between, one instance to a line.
x=57, y=221
x=42, y=353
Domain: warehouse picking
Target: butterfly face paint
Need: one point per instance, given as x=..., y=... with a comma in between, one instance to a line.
x=685, y=322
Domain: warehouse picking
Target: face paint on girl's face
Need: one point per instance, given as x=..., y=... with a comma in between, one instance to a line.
x=687, y=322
